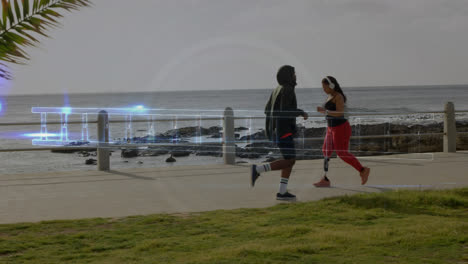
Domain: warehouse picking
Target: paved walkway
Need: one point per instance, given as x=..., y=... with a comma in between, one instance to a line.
x=85, y=194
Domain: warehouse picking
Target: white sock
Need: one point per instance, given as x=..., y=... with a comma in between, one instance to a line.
x=263, y=167
x=283, y=185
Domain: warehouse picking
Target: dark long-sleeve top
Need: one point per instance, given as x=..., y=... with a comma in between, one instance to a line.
x=281, y=112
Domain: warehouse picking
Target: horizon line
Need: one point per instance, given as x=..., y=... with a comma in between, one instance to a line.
x=210, y=90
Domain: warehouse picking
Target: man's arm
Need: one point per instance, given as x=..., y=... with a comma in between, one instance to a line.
x=268, y=105
x=289, y=104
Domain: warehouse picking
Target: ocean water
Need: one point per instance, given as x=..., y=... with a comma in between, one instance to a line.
x=193, y=104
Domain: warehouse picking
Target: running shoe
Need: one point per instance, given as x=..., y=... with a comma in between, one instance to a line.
x=365, y=175
x=286, y=196
x=323, y=183
x=253, y=175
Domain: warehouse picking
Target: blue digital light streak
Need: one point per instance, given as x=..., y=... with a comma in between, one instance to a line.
x=39, y=135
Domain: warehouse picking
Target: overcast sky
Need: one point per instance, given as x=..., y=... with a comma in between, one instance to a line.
x=155, y=45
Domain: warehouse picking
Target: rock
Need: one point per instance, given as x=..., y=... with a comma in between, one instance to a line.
x=78, y=143
x=154, y=152
x=186, y=132
x=261, y=148
x=217, y=135
x=246, y=153
x=65, y=151
x=129, y=153
x=253, y=156
x=209, y=149
x=91, y=162
x=256, y=136
x=84, y=154
x=140, y=162
x=214, y=129
x=462, y=141
x=238, y=129
x=170, y=159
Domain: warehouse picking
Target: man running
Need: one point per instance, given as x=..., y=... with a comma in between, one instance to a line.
x=281, y=112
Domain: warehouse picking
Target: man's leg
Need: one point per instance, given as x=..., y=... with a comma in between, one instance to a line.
x=285, y=164
x=285, y=174
x=287, y=149
x=275, y=165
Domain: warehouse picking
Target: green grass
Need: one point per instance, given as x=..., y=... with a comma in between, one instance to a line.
x=392, y=227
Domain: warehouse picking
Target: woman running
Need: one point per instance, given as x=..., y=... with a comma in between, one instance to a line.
x=338, y=131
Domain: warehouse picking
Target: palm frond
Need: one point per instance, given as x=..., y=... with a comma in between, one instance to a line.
x=21, y=21
x=3, y=72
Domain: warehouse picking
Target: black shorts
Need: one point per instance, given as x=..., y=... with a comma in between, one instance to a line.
x=287, y=148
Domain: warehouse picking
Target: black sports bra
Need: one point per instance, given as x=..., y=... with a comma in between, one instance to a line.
x=333, y=121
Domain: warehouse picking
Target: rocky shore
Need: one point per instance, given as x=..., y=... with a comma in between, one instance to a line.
x=398, y=139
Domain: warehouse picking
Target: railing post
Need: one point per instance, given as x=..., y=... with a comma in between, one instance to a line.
x=103, y=140
x=450, y=129
x=229, y=148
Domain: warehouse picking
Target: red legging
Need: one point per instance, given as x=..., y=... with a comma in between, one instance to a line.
x=337, y=139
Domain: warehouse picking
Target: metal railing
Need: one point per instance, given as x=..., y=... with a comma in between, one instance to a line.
x=228, y=140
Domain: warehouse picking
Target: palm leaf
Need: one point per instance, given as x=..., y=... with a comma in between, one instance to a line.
x=3, y=72
x=17, y=10
x=21, y=20
x=5, y=13
x=25, y=7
